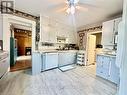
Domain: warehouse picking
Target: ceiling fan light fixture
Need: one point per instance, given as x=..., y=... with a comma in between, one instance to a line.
x=76, y=1
x=72, y=9
x=68, y=10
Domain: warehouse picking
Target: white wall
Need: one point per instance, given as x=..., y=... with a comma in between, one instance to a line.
x=98, y=23
x=1, y=27
x=123, y=48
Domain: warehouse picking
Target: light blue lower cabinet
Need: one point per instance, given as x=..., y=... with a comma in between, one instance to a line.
x=114, y=73
x=114, y=79
x=36, y=63
x=102, y=72
x=49, y=61
x=106, y=68
x=66, y=59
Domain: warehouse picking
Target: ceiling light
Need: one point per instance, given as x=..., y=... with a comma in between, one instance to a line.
x=76, y=1
x=71, y=10
x=68, y=10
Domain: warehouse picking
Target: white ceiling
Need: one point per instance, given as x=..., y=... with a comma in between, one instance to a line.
x=103, y=10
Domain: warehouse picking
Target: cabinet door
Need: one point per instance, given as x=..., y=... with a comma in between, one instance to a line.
x=45, y=33
x=106, y=62
x=67, y=58
x=61, y=31
x=51, y=61
x=108, y=33
x=114, y=73
x=71, y=58
x=36, y=63
x=117, y=21
x=52, y=35
x=99, y=65
x=72, y=37
x=99, y=60
x=102, y=69
x=61, y=59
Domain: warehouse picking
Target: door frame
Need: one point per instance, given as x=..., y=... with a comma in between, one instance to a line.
x=7, y=20
x=87, y=42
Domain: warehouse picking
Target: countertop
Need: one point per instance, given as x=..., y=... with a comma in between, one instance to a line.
x=55, y=51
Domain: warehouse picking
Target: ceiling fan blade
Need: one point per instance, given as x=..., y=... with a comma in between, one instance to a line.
x=81, y=8
x=54, y=6
x=86, y=5
x=62, y=9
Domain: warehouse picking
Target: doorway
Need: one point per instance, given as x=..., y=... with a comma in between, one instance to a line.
x=20, y=47
x=9, y=19
x=93, y=46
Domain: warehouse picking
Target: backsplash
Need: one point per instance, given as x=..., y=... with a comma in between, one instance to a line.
x=56, y=46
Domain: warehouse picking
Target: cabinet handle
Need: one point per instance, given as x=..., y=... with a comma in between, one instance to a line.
x=109, y=73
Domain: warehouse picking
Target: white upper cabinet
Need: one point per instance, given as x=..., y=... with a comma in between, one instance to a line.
x=51, y=29
x=44, y=33
x=109, y=28
x=48, y=30
x=108, y=32
x=62, y=31
x=52, y=35
x=72, y=37
x=117, y=21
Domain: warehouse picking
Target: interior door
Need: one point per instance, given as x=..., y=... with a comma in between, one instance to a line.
x=91, y=49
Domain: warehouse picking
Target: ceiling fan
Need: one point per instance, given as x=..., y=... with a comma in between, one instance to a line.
x=71, y=6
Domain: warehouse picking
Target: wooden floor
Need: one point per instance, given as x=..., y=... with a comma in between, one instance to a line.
x=21, y=65
x=79, y=81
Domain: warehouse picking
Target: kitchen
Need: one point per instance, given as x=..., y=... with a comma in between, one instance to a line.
x=59, y=45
